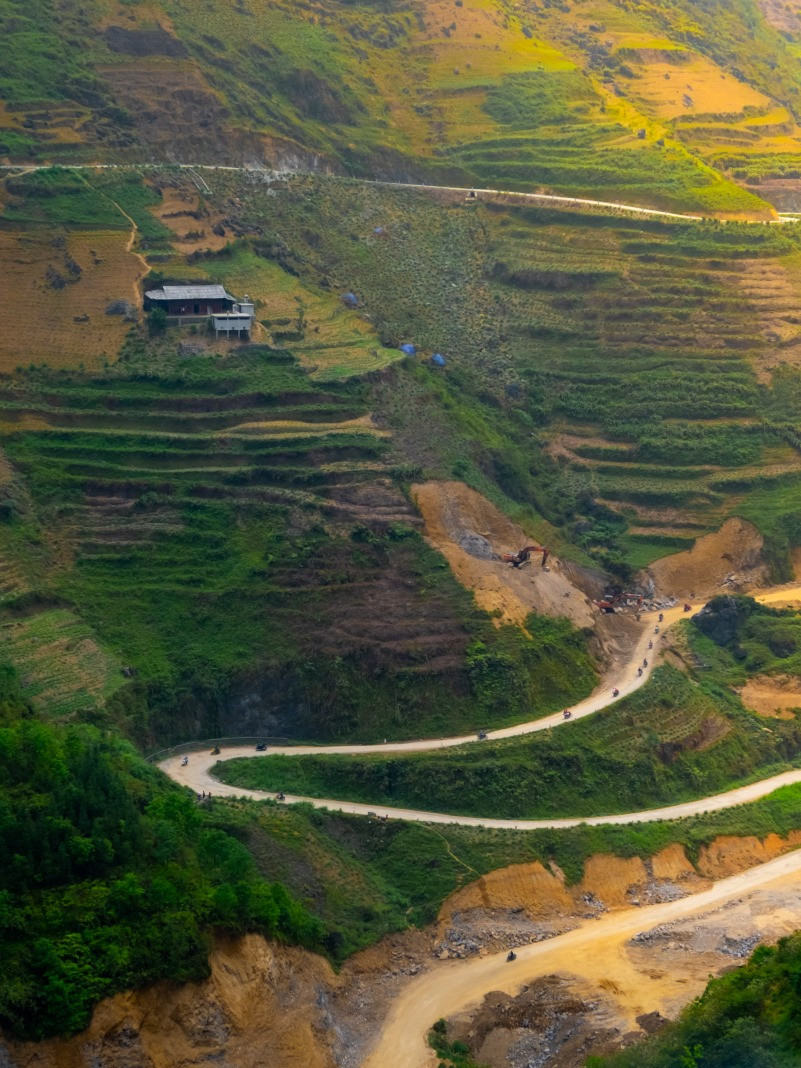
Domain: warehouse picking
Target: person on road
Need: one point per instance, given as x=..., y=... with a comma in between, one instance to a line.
x=566, y=713
x=639, y=672
x=650, y=645
x=645, y=663
x=185, y=761
x=656, y=630
x=661, y=616
x=615, y=692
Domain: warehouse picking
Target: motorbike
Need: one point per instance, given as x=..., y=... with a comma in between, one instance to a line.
x=261, y=747
x=185, y=761
x=511, y=955
x=567, y=714
x=215, y=751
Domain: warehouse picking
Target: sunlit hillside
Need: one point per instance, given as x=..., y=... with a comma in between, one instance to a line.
x=656, y=103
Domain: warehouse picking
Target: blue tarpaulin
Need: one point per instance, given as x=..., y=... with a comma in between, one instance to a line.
x=438, y=359
x=410, y=350
x=350, y=299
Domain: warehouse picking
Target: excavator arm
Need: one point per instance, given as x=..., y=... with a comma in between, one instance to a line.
x=522, y=555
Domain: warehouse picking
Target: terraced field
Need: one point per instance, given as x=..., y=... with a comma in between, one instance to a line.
x=229, y=536
x=642, y=345
x=591, y=97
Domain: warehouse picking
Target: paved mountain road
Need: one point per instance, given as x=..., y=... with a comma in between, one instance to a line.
x=197, y=773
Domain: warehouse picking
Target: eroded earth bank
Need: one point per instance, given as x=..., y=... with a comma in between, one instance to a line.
x=266, y=1004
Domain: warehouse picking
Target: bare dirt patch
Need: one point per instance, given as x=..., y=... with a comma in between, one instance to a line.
x=608, y=883
x=772, y=695
x=461, y=523
x=728, y=855
x=269, y=1004
x=726, y=561
x=782, y=14
x=195, y=225
x=591, y=1003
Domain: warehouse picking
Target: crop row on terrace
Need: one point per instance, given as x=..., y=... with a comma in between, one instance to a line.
x=200, y=555
x=639, y=336
x=650, y=362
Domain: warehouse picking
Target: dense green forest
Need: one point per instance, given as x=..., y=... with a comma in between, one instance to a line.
x=111, y=876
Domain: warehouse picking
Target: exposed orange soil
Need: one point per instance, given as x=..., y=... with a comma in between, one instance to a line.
x=258, y=1005
x=727, y=855
x=612, y=881
x=772, y=695
x=700, y=572
x=38, y=323
x=450, y=510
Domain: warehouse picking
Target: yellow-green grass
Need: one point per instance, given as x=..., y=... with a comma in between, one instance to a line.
x=336, y=341
x=66, y=326
x=63, y=669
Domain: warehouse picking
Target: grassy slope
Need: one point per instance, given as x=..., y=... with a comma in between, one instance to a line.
x=560, y=98
x=628, y=349
x=676, y=738
x=573, y=342
x=362, y=877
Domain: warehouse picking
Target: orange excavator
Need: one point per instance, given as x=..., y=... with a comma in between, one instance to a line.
x=523, y=555
x=609, y=605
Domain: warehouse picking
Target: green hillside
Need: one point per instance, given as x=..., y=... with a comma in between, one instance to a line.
x=208, y=538
x=654, y=103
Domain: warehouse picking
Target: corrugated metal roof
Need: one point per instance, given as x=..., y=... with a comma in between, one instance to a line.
x=196, y=293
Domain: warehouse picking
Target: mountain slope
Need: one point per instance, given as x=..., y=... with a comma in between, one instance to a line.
x=603, y=97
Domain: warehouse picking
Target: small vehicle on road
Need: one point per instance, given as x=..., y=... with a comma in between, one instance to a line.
x=566, y=713
x=185, y=761
x=215, y=751
x=482, y=736
x=511, y=955
x=261, y=747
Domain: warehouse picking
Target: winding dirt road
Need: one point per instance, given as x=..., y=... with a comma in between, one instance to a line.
x=589, y=951
x=197, y=773
x=194, y=168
